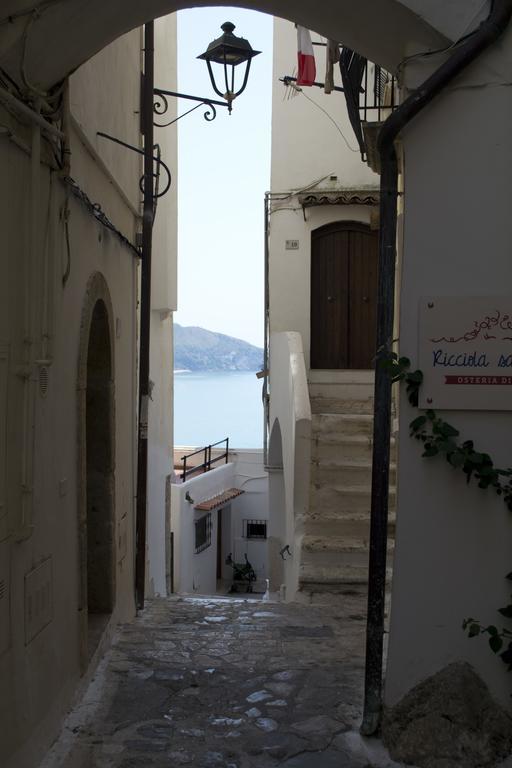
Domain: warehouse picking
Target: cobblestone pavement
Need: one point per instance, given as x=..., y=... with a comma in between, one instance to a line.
x=226, y=683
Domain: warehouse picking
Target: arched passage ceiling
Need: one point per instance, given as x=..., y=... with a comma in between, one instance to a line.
x=64, y=33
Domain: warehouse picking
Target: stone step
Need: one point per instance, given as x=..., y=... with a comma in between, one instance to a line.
x=345, y=472
x=331, y=502
x=337, y=550
x=341, y=424
x=326, y=404
x=334, y=578
x=338, y=446
x=346, y=527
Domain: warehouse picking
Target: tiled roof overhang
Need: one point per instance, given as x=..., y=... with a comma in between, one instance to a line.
x=340, y=197
x=219, y=500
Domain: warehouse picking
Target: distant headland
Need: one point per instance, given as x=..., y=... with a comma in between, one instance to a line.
x=196, y=349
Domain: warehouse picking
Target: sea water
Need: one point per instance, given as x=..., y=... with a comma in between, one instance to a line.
x=211, y=406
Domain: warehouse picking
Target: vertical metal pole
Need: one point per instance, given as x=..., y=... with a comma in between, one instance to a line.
x=266, y=340
x=145, y=314
x=381, y=448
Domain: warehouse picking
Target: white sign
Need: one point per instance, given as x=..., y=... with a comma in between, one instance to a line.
x=292, y=245
x=465, y=353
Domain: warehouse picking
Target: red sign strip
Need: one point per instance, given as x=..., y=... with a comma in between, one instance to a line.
x=479, y=380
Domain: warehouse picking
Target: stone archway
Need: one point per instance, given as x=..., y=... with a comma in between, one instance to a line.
x=63, y=35
x=96, y=430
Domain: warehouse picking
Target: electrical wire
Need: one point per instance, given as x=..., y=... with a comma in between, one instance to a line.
x=26, y=82
x=462, y=39
x=333, y=121
x=12, y=17
x=96, y=210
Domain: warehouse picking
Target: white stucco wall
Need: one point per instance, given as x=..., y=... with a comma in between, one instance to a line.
x=306, y=145
x=252, y=478
x=290, y=408
x=118, y=114
x=38, y=678
x=453, y=540
x=163, y=302
x=196, y=572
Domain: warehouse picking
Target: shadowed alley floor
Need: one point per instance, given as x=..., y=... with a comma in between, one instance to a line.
x=226, y=683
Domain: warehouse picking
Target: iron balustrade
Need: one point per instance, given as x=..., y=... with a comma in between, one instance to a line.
x=208, y=461
x=370, y=93
x=378, y=94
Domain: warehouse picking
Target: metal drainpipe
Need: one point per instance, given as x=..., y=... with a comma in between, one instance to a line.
x=145, y=315
x=487, y=33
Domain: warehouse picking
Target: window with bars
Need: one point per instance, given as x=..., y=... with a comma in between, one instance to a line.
x=203, y=537
x=255, y=529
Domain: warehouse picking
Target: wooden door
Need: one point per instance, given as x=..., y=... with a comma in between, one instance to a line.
x=344, y=258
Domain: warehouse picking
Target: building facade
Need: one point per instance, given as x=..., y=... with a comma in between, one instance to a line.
x=69, y=339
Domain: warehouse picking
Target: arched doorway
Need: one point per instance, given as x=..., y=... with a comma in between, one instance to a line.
x=344, y=269
x=96, y=466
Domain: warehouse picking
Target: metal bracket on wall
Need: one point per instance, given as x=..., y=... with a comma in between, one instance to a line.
x=161, y=106
x=157, y=158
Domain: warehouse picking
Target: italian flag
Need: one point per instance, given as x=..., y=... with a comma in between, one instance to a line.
x=307, y=69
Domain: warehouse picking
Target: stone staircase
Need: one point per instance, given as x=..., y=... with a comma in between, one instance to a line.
x=335, y=545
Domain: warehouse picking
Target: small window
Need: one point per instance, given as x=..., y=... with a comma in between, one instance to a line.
x=255, y=529
x=203, y=533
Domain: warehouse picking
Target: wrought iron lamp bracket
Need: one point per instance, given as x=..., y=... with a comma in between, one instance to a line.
x=161, y=105
x=156, y=158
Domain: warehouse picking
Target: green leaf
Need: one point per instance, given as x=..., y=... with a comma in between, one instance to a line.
x=404, y=362
x=430, y=450
x=456, y=459
x=496, y=643
x=474, y=630
x=417, y=423
x=506, y=656
x=416, y=377
x=507, y=611
x=509, y=576
x=486, y=471
x=447, y=430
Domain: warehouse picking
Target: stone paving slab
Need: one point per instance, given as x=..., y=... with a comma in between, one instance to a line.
x=226, y=683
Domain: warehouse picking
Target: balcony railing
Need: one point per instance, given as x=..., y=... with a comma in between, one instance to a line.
x=378, y=94
x=190, y=469
x=370, y=94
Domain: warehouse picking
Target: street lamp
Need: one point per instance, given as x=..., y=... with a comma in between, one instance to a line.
x=229, y=51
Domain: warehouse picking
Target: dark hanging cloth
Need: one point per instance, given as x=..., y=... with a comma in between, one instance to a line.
x=352, y=67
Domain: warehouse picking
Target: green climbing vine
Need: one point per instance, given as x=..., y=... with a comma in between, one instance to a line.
x=442, y=439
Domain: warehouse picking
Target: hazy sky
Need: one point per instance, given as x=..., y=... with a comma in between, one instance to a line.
x=223, y=173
